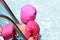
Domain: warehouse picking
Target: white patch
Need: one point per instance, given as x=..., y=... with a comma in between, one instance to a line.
x=1, y=38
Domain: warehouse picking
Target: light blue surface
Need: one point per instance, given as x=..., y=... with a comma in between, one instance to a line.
x=4, y=12
x=48, y=16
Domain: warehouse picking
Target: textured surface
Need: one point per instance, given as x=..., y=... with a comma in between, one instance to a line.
x=48, y=16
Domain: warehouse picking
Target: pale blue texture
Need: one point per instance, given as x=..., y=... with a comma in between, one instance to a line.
x=48, y=16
